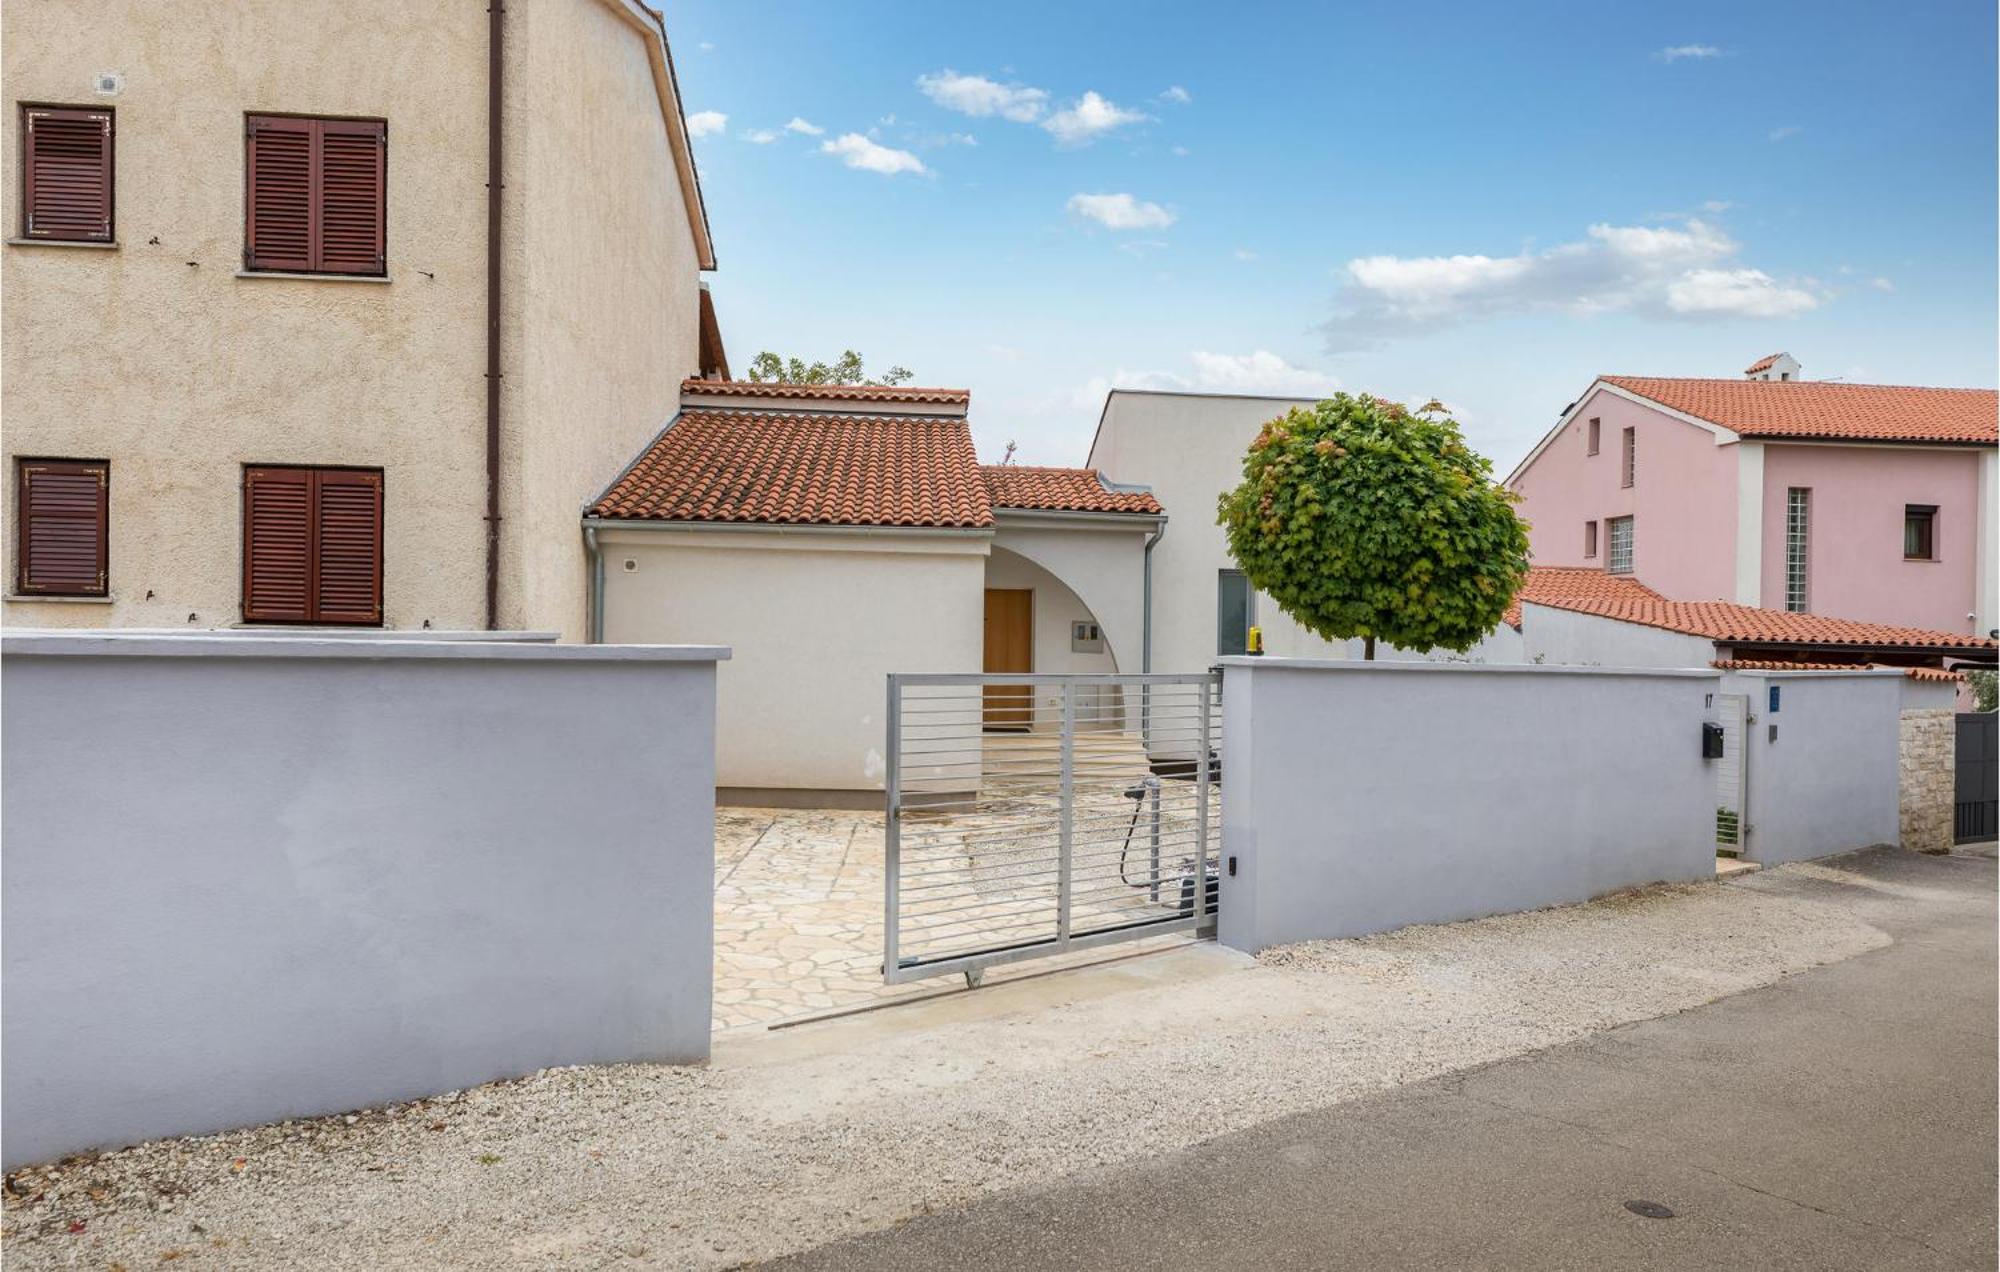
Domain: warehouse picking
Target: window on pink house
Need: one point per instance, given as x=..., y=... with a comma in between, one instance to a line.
x=1920, y=532
x=1589, y=539
x=1618, y=555
x=1626, y=457
x=1798, y=519
x=1596, y=426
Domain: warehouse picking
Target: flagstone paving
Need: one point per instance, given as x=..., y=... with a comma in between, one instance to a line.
x=798, y=912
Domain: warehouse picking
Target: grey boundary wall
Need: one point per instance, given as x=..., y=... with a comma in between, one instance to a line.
x=1360, y=797
x=1828, y=781
x=252, y=877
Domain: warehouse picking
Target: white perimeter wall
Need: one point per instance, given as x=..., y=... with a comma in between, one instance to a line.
x=815, y=622
x=1828, y=782
x=250, y=878
x=1360, y=797
x=1567, y=638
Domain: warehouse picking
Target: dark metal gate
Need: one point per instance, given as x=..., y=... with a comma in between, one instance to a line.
x=1977, y=756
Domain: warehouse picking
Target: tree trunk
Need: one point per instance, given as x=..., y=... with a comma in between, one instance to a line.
x=1368, y=648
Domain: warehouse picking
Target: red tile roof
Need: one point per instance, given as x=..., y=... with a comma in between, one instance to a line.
x=1818, y=409
x=1626, y=599
x=781, y=467
x=1061, y=490
x=1762, y=363
x=1938, y=674
x=827, y=392
x=1558, y=585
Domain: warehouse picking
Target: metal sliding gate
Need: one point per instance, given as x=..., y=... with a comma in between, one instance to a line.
x=1035, y=814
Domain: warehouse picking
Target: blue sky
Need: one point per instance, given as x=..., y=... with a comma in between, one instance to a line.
x=1487, y=204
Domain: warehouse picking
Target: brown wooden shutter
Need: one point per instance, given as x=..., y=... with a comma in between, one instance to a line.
x=347, y=575
x=277, y=544
x=66, y=187
x=312, y=545
x=62, y=540
x=351, y=188
x=315, y=191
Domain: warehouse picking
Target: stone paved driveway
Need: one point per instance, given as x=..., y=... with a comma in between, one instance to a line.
x=798, y=919
x=798, y=913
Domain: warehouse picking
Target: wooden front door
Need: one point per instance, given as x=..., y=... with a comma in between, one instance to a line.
x=1010, y=646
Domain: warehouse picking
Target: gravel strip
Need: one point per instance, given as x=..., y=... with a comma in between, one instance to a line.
x=638, y=1166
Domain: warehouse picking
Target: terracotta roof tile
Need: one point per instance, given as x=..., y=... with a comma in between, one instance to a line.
x=779, y=467
x=1818, y=409
x=1936, y=674
x=1061, y=490
x=827, y=392
x=1587, y=591
x=1558, y=584
x=1762, y=363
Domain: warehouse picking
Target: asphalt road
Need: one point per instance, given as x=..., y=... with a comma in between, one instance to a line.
x=1844, y=1118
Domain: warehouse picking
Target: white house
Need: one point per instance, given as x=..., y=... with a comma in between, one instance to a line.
x=831, y=535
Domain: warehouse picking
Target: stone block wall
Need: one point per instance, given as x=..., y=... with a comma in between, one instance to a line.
x=1928, y=739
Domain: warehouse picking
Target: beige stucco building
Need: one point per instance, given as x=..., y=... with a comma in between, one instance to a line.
x=176, y=360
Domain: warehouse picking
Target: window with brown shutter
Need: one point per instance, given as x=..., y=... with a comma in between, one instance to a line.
x=312, y=545
x=61, y=539
x=66, y=187
x=314, y=199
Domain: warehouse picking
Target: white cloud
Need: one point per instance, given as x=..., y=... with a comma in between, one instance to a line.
x=1177, y=95
x=1882, y=284
x=857, y=151
x=1679, y=51
x=980, y=97
x=804, y=127
x=1736, y=293
x=1259, y=372
x=1181, y=151
x=1715, y=207
x=1089, y=117
x=706, y=122
x=1245, y=254
x=1121, y=212
x=1789, y=130
x=706, y=46
x=761, y=136
x=1686, y=271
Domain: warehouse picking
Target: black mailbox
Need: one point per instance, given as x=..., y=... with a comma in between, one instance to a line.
x=1711, y=741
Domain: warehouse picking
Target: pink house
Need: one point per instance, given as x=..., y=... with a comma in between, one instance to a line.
x=1862, y=501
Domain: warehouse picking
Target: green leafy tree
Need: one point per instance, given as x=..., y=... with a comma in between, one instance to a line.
x=1985, y=689
x=769, y=368
x=1360, y=518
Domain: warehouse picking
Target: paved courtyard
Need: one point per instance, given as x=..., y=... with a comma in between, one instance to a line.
x=798, y=915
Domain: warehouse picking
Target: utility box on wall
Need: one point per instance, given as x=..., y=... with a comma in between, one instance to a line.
x=1711, y=741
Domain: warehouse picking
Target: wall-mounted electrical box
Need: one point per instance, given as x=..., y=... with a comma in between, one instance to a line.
x=1085, y=638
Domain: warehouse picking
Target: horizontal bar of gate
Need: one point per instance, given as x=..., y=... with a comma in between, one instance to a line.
x=1036, y=813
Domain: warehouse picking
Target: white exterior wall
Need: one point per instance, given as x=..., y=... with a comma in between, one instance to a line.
x=1189, y=448
x=1828, y=782
x=1450, y=791
x=816, y=620
x=1503, y=646
x=255, y=877
x=1104, y=569
x=1566, y=638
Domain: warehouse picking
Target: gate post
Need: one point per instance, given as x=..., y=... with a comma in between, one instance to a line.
x=1067, y=829
x=1204, y=757
x=892, y=844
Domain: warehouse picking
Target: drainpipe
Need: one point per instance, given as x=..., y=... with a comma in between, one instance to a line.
x=596, y=584
x=494, y=110
x=1146, y=640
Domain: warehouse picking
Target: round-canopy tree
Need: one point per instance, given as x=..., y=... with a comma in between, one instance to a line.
x=1360, y=518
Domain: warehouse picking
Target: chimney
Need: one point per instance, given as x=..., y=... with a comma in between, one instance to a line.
x=1777, y=366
